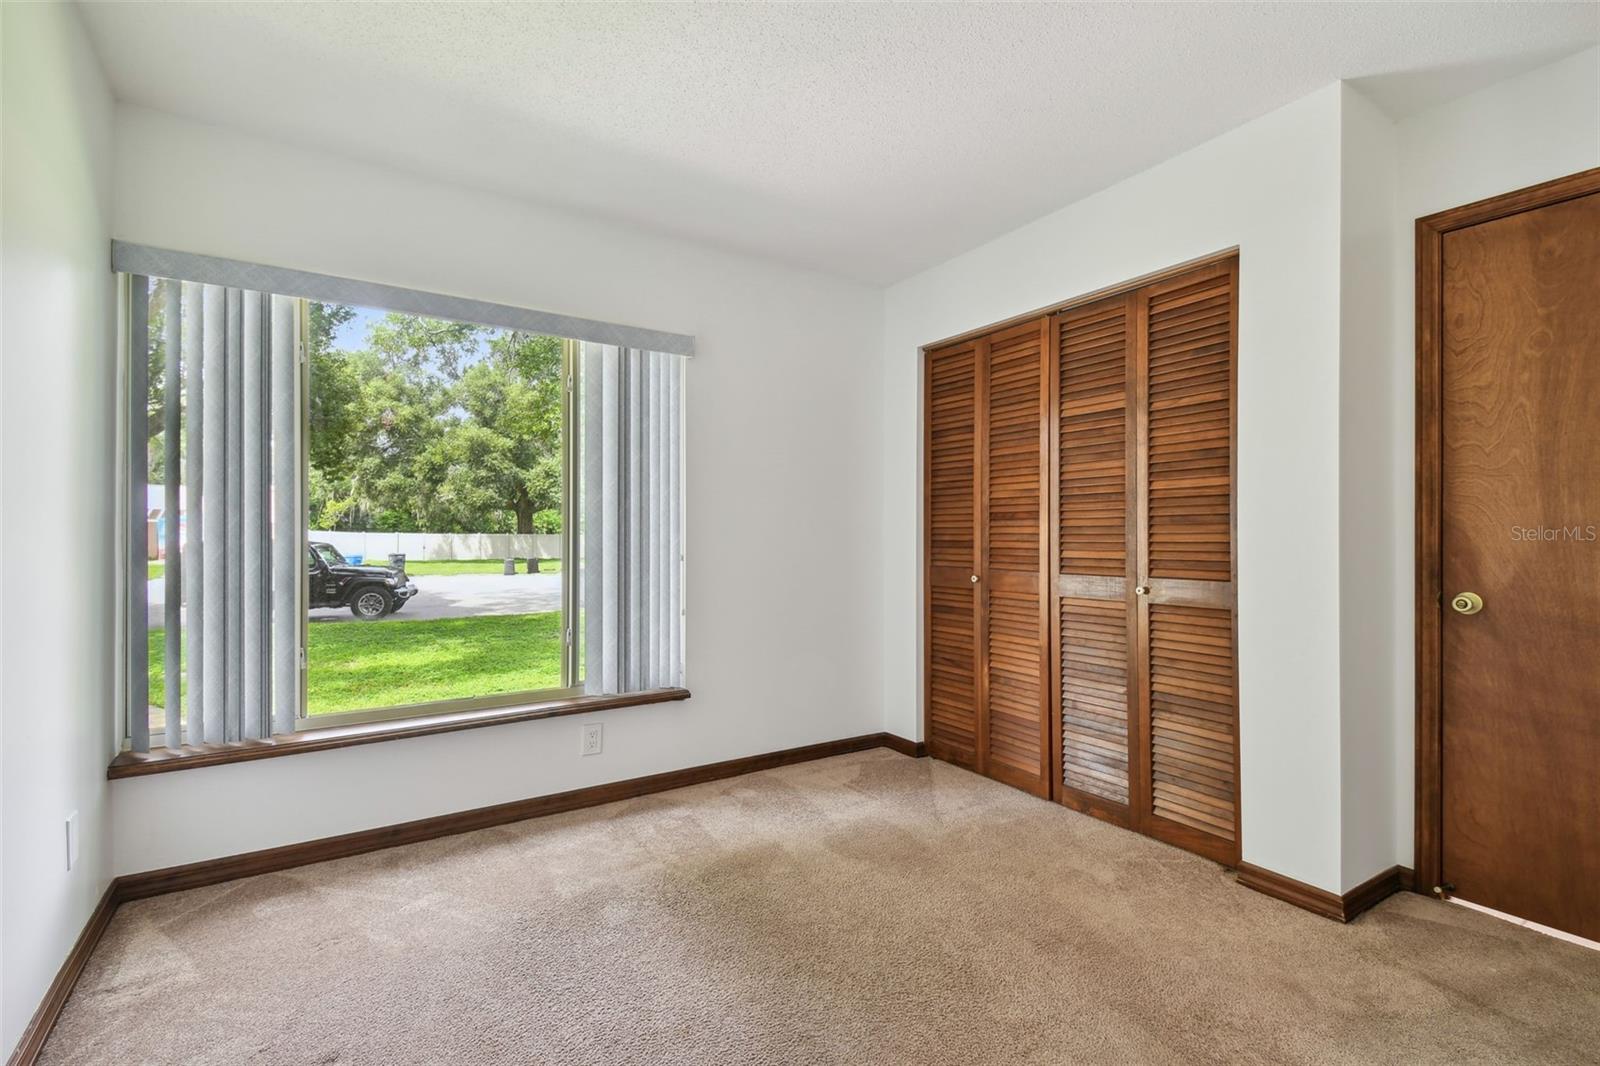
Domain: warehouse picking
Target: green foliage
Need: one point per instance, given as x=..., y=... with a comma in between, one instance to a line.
x=547, y=520
x=156, y=394
x=435, y=426
x=334, y=413
x=324, y=322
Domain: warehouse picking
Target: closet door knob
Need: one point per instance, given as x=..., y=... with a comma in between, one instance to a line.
x=1141, y=590
x=974, y=579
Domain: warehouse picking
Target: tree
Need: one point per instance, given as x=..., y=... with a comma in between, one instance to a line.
x=156, y=384
x=332, y=389
x=506, y=447
x=435, y=425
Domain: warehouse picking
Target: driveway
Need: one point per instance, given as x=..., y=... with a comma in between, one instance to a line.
x=455, y=596
x=469, y=596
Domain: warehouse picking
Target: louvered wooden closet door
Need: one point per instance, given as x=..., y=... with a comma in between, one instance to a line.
x=1014, y=610
x=1094, y=367
x=1185, y=665
x=951, y=670
x=1147, y=734
x=1079, y=558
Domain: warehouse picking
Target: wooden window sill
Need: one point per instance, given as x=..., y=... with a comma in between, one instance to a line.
x=163, y=760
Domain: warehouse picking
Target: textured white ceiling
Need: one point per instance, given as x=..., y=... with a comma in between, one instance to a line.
x=868, y=140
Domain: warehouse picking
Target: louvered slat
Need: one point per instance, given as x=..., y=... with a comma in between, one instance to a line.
x=1190, y=431
x=1092, y=354
x=1192, y=730
x=952, y=418
x=1093, y=368
x=1094, y=697
x=1017, y=692
x=1015, y=458
x=1014, y=682
x=952, y=682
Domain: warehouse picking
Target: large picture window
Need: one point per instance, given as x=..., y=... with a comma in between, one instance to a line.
x=344, y=512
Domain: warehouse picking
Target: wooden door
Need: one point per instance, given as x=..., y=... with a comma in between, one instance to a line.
x=1145, y=583
x=952, y=623
x=987, y=675
x=1520, y=529
x=1014, y=598
x=1185, y=671
x=1097, y=556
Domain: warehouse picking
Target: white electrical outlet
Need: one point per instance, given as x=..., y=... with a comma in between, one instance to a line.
x=72, y=840
x=591, y=739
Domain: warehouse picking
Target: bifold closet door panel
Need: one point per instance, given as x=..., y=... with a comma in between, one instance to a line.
x=1080, y=557
x=1186, y=634
x=1093, y=346
x=952, y=625
x=1015, y=700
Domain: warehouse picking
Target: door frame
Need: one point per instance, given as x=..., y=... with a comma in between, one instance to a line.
x=1430, y=232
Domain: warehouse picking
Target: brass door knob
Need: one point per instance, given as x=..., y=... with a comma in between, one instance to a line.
x=1467, y=603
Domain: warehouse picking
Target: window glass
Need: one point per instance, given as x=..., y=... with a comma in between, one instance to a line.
x=435, y=475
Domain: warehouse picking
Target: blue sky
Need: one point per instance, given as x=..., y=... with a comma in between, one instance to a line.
x=352, y=335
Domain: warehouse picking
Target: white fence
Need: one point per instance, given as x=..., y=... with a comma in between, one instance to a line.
x=427, y=546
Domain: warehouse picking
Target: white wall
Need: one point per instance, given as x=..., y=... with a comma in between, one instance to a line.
x=1541, y=125
x=1272, y=187
x=1369, y=635
x=56, y=414
x=782, y=409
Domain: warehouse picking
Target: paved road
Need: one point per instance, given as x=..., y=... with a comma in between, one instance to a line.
x=455, y=596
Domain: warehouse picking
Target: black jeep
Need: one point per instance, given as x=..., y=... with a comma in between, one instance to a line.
x=370, y=592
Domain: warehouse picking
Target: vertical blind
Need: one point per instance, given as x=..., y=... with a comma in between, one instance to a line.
x=228, y=458
x=214, y=470
x=632, y=578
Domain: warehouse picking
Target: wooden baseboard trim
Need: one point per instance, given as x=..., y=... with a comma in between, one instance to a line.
x=1375, y=890
x=215, y=871
x=270, y=860
x=1306, y=897
x=55, y=997
x=914, y=749
x=1320, y=901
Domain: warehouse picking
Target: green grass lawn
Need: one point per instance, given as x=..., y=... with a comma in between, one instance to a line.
x=153, y=570
x=451, y=567
x=358, y=665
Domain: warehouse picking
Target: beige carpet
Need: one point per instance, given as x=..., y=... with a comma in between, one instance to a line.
x=865, y=909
